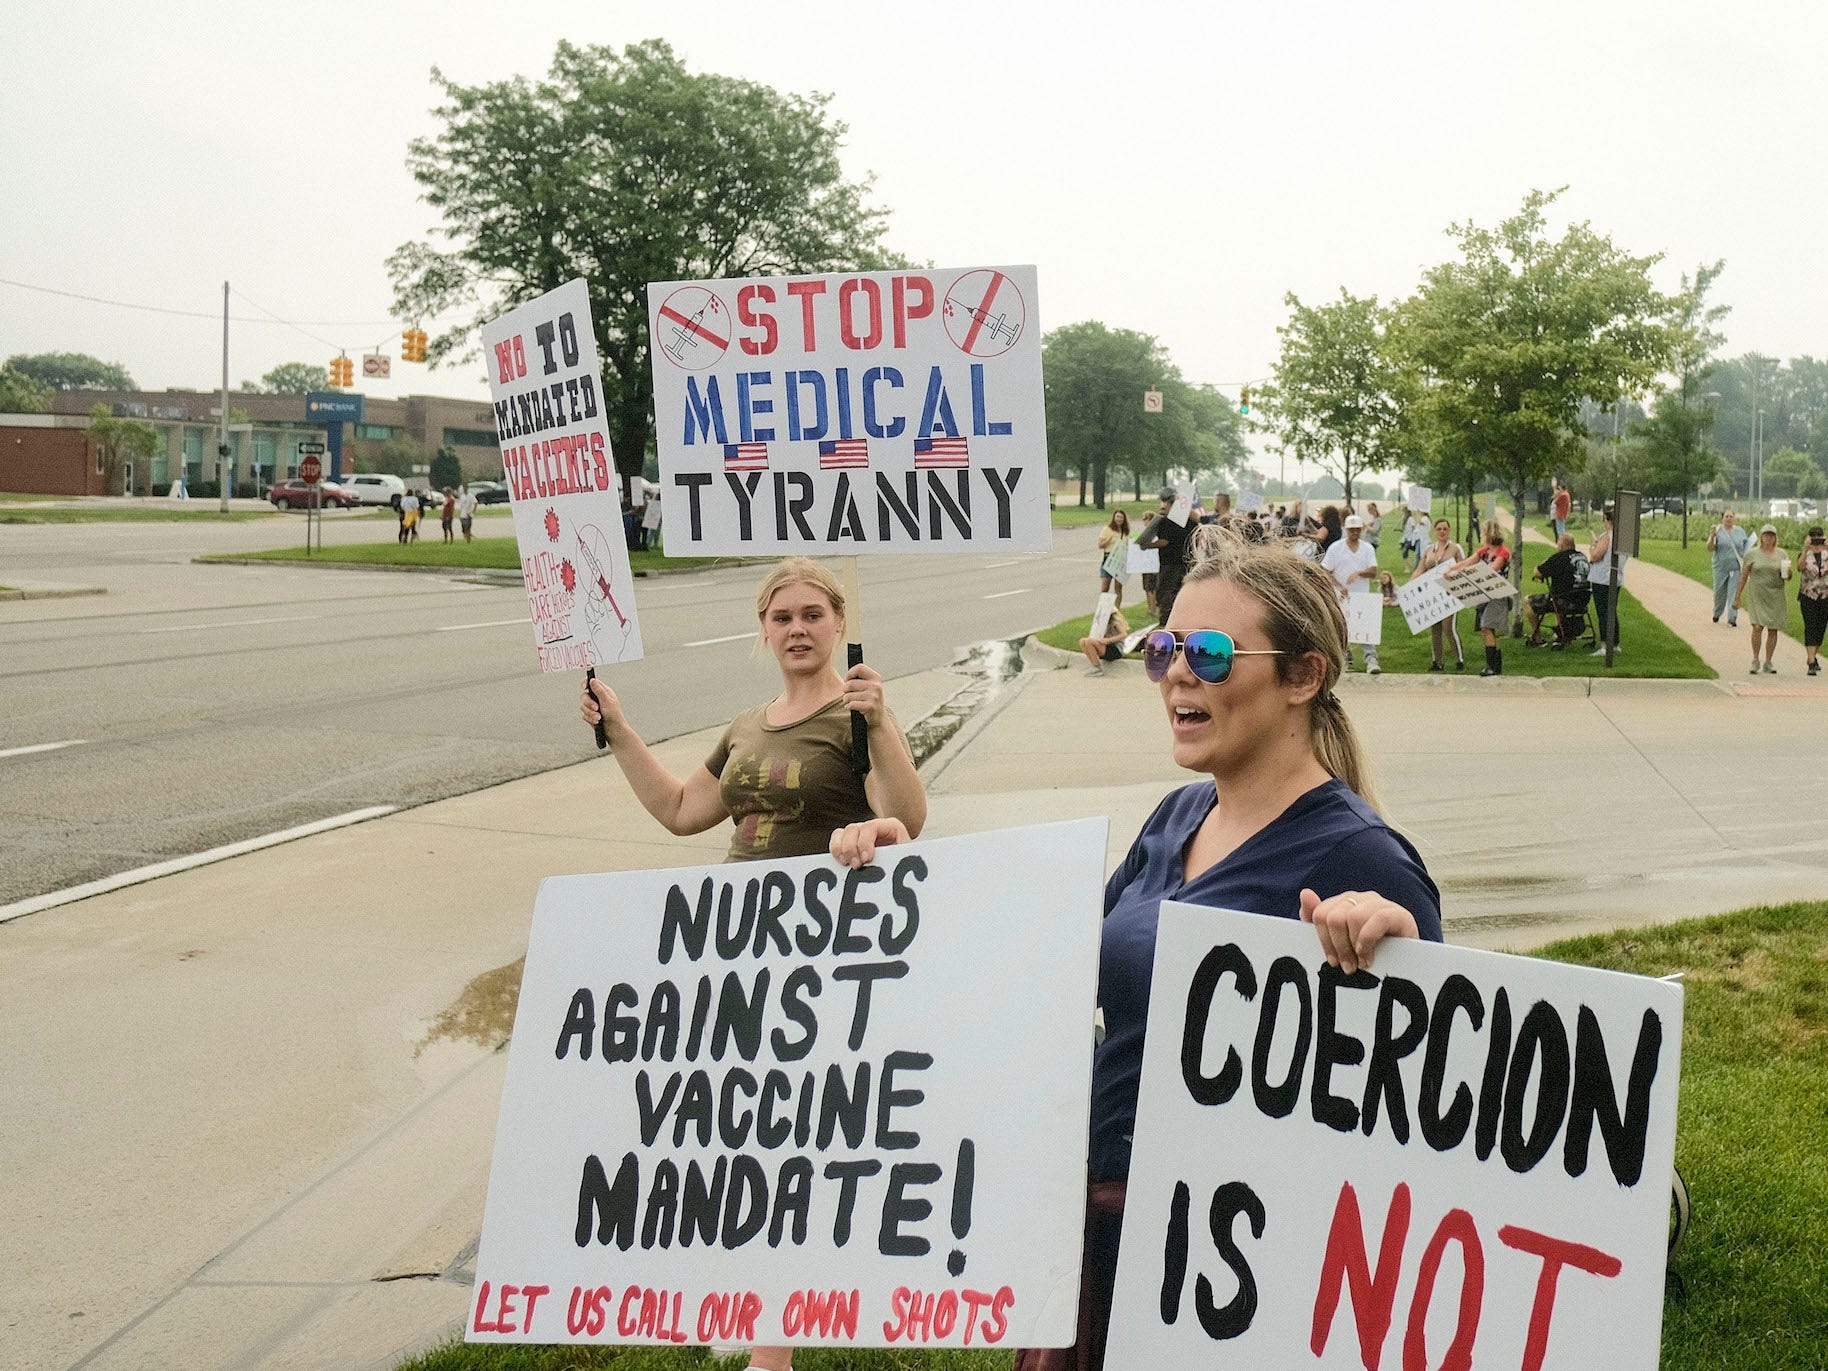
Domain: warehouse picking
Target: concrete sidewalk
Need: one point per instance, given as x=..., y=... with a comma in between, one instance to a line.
x=251, y=1106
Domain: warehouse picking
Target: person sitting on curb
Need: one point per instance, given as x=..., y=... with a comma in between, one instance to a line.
x=1109, y=648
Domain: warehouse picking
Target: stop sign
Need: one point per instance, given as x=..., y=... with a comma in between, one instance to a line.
x=310, y=471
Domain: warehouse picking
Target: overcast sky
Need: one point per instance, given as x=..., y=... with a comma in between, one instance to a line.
x=1169, y=168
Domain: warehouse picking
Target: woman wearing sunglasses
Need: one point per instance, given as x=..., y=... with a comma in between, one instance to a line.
x=1281, y=823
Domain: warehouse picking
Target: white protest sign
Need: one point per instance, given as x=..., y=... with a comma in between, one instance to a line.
x=1142, y=560
x=1420, y=499
x=1426, y=600
x=1365, y=617
x=1454, y=1145
x=867, y=412
x=1477, y=584
x=787, y=1103
x=1182, y=508
x=1101, y=614
x=1250, y=501
x=562, y=486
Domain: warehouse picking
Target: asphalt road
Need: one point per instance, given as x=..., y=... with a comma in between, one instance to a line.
x=202, y=705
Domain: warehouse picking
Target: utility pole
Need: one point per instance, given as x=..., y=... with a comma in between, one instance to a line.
x=222, y=443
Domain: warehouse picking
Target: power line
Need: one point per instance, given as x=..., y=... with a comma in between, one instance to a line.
x=200, y=314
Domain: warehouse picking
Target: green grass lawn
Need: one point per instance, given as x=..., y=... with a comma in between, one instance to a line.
x=1660, y=542
x=1752, y=1133
x=1649, y=649
x=498, y=554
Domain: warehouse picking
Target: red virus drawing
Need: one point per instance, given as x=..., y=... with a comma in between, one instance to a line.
x=552, y=527
x=568, y=574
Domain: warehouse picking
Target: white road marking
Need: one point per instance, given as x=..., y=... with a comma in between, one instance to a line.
x=992, y=566
x=492, y=623
x=123, y=879
x=41, y=747
x=228, y=623
x=1005, y=594
x=731, y=638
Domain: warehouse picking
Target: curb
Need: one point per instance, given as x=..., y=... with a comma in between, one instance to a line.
x=53, y=593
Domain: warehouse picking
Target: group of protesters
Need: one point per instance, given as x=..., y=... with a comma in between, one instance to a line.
x=1750, y=575
x=1246, y=660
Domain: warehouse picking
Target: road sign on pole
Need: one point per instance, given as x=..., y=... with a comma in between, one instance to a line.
x=311, y=469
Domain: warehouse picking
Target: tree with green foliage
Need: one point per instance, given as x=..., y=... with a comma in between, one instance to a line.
x=1785, y=471
x=1094, y=378
x=1335, y=395
x=1674, y=437
x=623, y=167
x=21, y=394
x=447, y=471
x=119, y=442
x=1516, y=333
x=71, y=371
x=290, y=378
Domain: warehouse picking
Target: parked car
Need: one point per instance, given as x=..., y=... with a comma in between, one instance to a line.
x=1663, y=504
x=298, y=495
x=489, y=492
x=374, y=487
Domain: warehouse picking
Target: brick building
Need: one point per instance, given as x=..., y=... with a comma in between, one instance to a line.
x=411, y=429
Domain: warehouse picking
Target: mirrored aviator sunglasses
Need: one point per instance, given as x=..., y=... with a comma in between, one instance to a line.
x=1209, y=653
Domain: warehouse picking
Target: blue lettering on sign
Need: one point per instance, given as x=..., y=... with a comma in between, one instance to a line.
x=797, y=429
x=810, y=397
x=871, y=379
x=980, y=426
x=704, y=413
x=937, y=408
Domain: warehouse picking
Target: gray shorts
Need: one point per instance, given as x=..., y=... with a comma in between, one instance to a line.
x=1495, y=615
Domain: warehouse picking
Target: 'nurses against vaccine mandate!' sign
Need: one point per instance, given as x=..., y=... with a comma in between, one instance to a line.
x=1453, y=1159
x=870, y=412
x=562, y=486
x=789, y=1103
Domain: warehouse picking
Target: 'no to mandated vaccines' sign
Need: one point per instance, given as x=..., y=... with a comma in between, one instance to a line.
x=1455, y=1158
x=562, y=487
x=871, y=412
x=788, y=1103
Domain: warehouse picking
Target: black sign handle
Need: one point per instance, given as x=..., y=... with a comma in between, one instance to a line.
x=590, y=674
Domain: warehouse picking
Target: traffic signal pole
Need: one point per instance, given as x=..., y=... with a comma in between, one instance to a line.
x=222, y=447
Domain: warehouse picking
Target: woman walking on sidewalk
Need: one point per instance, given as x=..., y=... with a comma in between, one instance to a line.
x=1812, y=594
x=1761, y=592
x=1279, y=824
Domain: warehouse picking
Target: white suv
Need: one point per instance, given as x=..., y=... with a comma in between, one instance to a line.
x=374, y=488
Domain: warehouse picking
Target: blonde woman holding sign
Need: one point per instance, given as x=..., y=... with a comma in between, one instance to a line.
x=781, y=772
x=1281, y=824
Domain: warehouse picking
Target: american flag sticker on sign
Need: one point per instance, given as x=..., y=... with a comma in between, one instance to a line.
x=745, y=456
x=941, y=452
x=842, y=453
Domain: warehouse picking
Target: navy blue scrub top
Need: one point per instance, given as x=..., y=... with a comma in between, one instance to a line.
x=1328, y=840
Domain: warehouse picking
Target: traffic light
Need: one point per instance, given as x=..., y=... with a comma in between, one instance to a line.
x=412, y=345
x=348, y=365
x=336, y=374
x=1244, y=400
x=342, y=372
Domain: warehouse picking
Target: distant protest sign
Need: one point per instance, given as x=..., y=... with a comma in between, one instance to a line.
x=853, y=413
x=1421, y=499
x=1426, y=600
x=1387, y=1168
x=561, y=476
x=789, y=1103
x=1365, y=617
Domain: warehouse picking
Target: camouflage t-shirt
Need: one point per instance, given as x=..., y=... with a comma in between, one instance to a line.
x=787, y=786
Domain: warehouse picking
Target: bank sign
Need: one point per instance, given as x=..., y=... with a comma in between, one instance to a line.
x=326, y=406
x=851, y=413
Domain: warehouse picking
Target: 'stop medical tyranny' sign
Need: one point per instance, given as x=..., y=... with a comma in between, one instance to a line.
x=873, y=412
